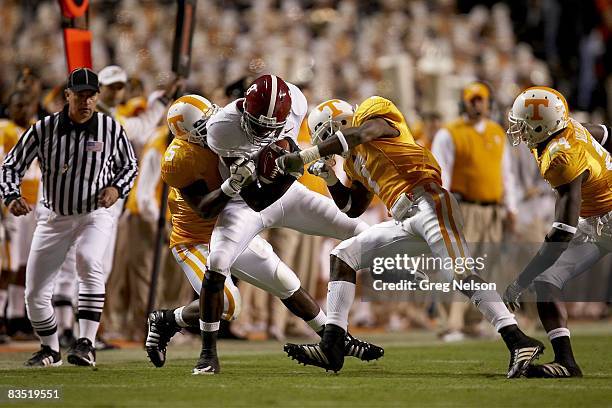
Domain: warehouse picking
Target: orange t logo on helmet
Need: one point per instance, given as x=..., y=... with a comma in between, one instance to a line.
x=173, y=123
x=536, y=107
x=331, y=104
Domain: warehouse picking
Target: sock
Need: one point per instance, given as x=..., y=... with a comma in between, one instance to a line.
x=209, y=333
x=3, y=299
x=47, y=332
x=560, y=340
x=318, y=323
x=489, y=303
x=90, y=311
x=340, y=296
x=178, y=317
x=16, y=302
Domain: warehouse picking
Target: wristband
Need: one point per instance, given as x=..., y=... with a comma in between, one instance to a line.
x=227, y=188
x=564, y=227
x=605, y=136
x=342, y=140
x=311, y=154
x=347, y=207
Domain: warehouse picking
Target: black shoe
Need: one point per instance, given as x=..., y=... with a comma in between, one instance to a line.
x=45, y=357
x=159, y=333
x=208, y=364
x=82, y=353
x=67, y=339
x=522, y=354
x=327, y=354
x=553, y=370
x=353, y=347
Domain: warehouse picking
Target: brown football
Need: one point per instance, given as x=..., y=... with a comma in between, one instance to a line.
x=267, y=170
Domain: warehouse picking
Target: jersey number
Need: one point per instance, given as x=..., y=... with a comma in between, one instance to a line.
x=170, y=153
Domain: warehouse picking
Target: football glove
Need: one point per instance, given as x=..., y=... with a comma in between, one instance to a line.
x=320, y=168
x=511, y=296
x=241, y=173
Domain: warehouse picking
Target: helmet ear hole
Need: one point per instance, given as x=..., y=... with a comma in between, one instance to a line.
x=538, y=129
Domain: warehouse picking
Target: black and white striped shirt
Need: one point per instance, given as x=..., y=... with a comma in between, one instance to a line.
x=77, y=161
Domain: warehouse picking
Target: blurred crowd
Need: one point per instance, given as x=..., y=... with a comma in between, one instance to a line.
x=418, y=53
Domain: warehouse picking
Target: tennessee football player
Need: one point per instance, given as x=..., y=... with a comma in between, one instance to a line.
x=196, y=198
x=271, y=109
x=579, y=169
x=383, y=159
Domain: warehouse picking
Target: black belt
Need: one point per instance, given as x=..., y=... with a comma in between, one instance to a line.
x=482, y=203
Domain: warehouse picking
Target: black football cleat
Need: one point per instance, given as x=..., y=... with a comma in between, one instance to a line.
x=327, y=354
x=158, y=335
x=82, y=353
x=522, y=354
x=45, y=357
x=353, y=347
x=553, y=370
x=208, y=364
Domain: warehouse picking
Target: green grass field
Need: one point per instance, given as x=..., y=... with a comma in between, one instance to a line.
x=417, y=370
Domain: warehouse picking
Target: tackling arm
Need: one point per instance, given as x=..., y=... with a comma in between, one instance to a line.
x=207, y=204
x=601, y=133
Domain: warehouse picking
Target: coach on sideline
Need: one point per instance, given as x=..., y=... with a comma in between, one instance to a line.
x=87, y=163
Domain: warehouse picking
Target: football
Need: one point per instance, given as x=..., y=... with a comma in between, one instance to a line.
x=267, y=170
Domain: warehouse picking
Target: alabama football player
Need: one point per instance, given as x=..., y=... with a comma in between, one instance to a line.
x=578, y=168
x=195, y=199
x=383, y=159
x=270, y=110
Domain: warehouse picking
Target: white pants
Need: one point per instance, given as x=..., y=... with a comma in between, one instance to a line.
x=21, y=231
x=299, y=209
x=435, y=227
x=54, y=236
x=588, y=246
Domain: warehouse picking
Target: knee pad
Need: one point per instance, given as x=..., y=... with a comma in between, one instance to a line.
x=213, y=281
x=288, y=282
x=86, y=263
x=219, y=261
x=348, y=252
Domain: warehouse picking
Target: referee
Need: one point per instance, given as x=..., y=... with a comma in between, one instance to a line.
x=87, y=163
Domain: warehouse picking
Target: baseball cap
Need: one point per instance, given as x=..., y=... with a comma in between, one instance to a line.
x=475, y=89
x=112, y=74
x=83, y=79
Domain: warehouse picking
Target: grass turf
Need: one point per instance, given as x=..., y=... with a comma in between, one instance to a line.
x=416, y=371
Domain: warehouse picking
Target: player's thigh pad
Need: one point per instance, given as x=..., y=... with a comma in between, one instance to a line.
x=386, y=239
x=578, y=258
x=260, y=266
x=235, y=228
x=311, y=213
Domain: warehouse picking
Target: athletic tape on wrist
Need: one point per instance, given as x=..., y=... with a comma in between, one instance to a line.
x=564, y=227
x=227, y=188
x=311, y=154
x=342, y=140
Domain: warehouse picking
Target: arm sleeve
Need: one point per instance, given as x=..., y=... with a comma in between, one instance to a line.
x=124, y=165
x=443, y=150
x=510, y=183
x=140, y=128
x=17, y=162
x=147, y=185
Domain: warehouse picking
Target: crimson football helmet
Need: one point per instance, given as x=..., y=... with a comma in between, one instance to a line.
x=267, y=103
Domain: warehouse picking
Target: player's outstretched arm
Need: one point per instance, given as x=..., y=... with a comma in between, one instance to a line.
x=340, y=142
x=353, y=200
x=567, y=211
x=207, y=204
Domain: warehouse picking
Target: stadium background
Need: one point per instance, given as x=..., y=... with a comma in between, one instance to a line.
x=418, y=53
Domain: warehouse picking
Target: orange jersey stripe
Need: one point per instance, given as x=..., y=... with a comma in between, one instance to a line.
x=440, y=216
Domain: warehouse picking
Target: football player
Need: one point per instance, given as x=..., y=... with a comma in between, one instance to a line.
x=383, y=159
x=196, y=197
x=578, y=168
x=270, y=110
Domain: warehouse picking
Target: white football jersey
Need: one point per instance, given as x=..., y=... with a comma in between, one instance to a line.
x=226, y=138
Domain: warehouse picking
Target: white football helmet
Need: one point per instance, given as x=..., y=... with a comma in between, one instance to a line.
x=329, y=117
x=187, y=118
x=536, y=114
